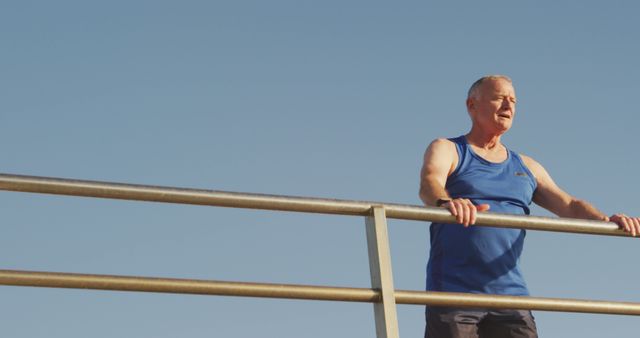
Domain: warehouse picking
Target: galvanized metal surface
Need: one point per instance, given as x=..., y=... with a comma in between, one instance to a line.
x=466, y=300
x=382, y=293
x=385, y=313
x=184, y=286
x=61, y=186
x=208, y=287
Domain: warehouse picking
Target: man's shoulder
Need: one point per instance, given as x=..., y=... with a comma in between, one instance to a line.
x=442, y=143
x=536, y=168
x=528, y=161
x=442, y=150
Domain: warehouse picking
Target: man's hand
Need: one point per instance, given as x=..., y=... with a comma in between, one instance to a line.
x=629, y=224
x=465, y=211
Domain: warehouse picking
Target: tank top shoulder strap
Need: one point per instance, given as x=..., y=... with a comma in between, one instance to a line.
x=462, y=148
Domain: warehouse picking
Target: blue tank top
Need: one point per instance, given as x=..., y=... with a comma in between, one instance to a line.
x=481, y=259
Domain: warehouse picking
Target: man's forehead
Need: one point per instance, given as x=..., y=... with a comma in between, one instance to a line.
x=498, y=85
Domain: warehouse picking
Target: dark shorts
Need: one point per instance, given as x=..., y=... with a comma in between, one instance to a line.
x=473, y=323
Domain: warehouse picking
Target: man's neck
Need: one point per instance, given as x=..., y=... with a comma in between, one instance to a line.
x=489, y=142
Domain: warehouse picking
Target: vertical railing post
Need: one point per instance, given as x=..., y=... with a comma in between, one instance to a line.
x=381, y=274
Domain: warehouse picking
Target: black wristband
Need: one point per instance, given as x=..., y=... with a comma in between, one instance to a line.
x=442, y=201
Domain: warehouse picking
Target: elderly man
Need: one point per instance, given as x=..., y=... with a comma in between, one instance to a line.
x=475, y=173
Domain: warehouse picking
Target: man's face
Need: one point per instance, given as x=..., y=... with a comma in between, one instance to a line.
x=494, y=108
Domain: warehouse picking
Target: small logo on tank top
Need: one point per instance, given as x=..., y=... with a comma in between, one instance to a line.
x=520, y=173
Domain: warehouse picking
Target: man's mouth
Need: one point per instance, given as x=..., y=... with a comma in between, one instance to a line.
x=505, y=115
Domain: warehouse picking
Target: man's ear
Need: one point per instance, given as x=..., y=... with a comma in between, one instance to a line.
x=470, y=105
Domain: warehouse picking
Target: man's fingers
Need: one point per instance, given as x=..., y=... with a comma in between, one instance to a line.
x=483, y=207
x=617, y=219
x=452, y=208
x=467, y=214
x=622, y=222
x=474, y=212
x=461, y=213
x=627, y=224
x=636, y=222
x=465, y=211
x=471, y=213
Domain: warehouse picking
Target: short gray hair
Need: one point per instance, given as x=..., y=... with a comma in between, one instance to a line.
x=473, y=90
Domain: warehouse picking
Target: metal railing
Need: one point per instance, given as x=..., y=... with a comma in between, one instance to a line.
x=382, y=293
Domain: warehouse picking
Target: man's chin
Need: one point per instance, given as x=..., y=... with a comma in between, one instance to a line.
x=502, y=129
x=504, y=126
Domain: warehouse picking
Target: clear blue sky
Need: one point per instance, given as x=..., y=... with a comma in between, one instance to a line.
x=330, y=99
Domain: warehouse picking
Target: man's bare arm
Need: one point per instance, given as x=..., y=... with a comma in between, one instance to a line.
x=438, y=164
x=551, y=197
x=440, y=159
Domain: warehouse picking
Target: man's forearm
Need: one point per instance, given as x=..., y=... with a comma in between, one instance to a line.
x=585, y=210
x=431, y=190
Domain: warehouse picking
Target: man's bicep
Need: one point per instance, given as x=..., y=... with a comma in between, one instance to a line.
x=438, y=161
x=548, y=194
x=552, y=198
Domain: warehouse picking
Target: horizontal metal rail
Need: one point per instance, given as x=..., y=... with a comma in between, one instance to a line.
x=289, y=291
x=60, y=186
